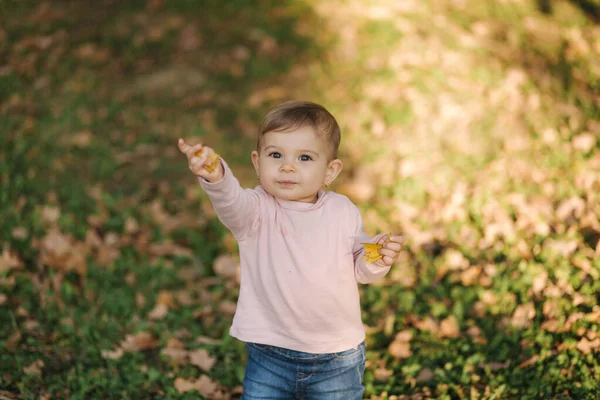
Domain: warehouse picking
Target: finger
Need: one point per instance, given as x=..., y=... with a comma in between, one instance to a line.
x=389, y=253
x=392, y=246
x=382, y=239
x=196, y=162
x=183, y=146
x=388, y=260
x=192, y=150
x=397, y=239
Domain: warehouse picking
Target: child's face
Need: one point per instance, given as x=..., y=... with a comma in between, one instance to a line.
x=294, y=165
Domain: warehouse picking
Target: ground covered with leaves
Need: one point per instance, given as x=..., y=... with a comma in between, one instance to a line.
x=471, y=127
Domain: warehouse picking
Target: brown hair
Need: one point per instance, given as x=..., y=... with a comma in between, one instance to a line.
x=297, y=114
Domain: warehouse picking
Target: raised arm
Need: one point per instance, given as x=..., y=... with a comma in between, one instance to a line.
x=237, y=208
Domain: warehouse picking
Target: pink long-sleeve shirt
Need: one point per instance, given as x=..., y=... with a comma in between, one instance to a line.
x=300, y=264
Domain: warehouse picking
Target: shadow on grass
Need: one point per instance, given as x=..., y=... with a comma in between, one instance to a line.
x=93, y=99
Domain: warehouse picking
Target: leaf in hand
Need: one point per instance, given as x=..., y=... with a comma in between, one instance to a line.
x=372, y=252
x=211, y=162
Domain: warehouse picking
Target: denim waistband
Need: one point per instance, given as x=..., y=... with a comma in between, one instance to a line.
x=300, y=356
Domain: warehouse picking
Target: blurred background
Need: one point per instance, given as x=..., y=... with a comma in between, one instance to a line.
x=472, y=127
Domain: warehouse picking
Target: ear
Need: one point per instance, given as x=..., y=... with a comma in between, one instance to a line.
x=255, y=162
x=333, y=170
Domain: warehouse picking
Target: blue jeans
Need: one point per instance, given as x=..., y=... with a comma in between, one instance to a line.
x=277, y=373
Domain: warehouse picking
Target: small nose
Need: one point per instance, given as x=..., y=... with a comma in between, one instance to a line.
x=286, y=167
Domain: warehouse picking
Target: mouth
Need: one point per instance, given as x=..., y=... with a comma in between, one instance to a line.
x=286, y=183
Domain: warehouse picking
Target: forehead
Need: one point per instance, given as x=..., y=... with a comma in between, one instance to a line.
x=303, y=138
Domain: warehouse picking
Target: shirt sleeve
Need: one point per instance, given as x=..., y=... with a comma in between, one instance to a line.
x=365, y=272
x=237, y=208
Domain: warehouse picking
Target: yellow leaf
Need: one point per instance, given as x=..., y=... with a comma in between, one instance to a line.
x=372, y=252
x=212, y=161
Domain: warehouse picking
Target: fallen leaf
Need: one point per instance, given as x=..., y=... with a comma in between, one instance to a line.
x=159, y=312
x=177, y=355
x=400, y=350
x=587, y=346
x=427, y=324
x=382, y=374
x=449, y=327
x=201, y=358
x=425, y=375
x=20, y=233
x=227, y=307
x=165, y=297
x=584, y=142
x=112, y=354
x=9, y=260
x=206, y=340
x=227, y=265
x=139, y=342
x=204, y=385
x=529, y=362
x=35, y=368
x=523, y=315
x=50, y=214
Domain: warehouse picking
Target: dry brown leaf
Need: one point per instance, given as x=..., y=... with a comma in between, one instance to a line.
x=131, y=226
x=523, y=315
x=35, y=368
x=184, y=298
x=584, y=142
x=227, y=307
x=552, y=325
x=455, y=260
x=175, y=343
x=159, y=312
x=166, y=297
x=227, y=265
x=539, y=282
x=140, y=299
x=112, y=354
x=202, y=358
x=20, y=233
x=206, y=340
x=9, y=260
x=587, y=346
x=189, y=39
x=50, y=214
x=382, y=374
x=425, y=375
x=61, y=252
x=449, y=327
x=139, y=342
x=470, y=276
x=204, y=385
x=178, y=356
x=13, y=341
x=529, y=361
x=594, y=316
x=494, y=366
x=400, y=350
x=427, y=324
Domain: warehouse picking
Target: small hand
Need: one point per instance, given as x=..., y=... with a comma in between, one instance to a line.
x=198, y=157
x=390, y=250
